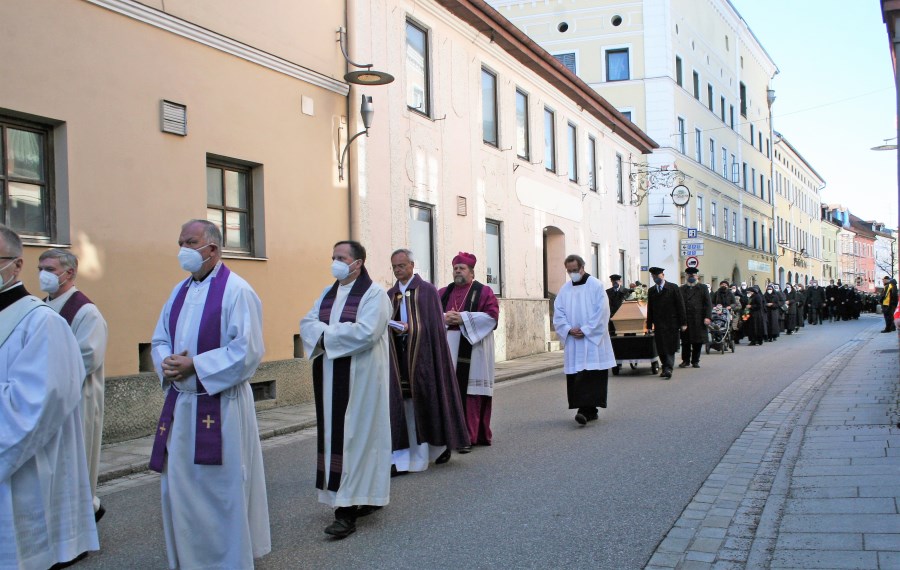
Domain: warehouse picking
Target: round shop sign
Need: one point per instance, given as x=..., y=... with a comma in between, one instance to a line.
x=681, y=195
x=692, y=261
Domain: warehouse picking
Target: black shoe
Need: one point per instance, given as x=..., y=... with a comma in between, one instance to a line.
x=443, y=458
x=684, y=365
x=98, y=514
x=78, y=558
x=580, y=418
x=667, y=374
x=395, y=473
x=696, y=365
x=341, y=528
x=464, y=450
x=593, y=417
x=366, y=510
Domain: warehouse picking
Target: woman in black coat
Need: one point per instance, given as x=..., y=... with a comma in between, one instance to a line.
x=772, y=303
x=753, y=327
x=790, y=319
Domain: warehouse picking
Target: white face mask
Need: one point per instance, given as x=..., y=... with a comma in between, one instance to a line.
x=340, y=270
x=49, y=282
x=5, y=282
x=575, y=277
x=190, y=259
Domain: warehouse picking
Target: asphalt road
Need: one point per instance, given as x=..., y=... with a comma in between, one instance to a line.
x=548, y=494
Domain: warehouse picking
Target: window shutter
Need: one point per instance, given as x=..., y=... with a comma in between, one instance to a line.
x=567, y=59
x=174, y=118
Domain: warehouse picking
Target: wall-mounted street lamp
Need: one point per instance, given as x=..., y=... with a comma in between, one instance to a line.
x=367, y=76
x=886, y=146
x=367, y=112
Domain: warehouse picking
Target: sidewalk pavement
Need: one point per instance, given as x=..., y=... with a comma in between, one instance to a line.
x=132, y=456
x=813, y=481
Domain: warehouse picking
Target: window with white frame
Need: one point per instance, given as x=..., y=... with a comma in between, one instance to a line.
x=620, y=180
x=421, y=238
x=567, y=59
x=698, y=146
x=592, y=163
x=701, y=221
x=617, y=67
x=713, y=219
x=417, y=88
x=523, y=143
x=489, y=128
x=549, y=140
x=572, y=136
x=681, y=136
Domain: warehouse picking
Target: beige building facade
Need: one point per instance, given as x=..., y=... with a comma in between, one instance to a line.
x=798, y=217
x=123, y=119
x=692, y=75
x=485, y=143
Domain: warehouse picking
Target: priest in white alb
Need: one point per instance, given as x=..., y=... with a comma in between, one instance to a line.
x=58, y=270
x=581, y=319
x=345, y=335
x=206, y=347
x=46, y=514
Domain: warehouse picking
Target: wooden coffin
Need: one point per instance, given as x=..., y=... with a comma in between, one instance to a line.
x=631, y=317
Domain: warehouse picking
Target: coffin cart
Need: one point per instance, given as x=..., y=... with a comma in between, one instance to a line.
x=631, y=343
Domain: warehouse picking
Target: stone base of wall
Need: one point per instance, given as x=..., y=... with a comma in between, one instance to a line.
x=523, y=329
x=133, y=403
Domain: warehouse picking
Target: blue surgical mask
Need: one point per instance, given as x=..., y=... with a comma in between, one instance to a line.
x=691, y=279
x=658, y=280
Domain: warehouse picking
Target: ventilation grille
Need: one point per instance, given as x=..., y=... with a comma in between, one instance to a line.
x=461, y=206
x=174, y=118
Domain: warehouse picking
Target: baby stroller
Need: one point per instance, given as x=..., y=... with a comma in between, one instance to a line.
x=720, y=334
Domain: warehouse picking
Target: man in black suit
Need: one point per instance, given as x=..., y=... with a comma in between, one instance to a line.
x=616, y=295
x=666, y=318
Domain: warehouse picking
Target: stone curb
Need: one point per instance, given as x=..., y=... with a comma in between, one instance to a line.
x=732, y=521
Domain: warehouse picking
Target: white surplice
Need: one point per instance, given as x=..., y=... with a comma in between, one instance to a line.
x=584, y=306
x=366, y=473
x=46, y=514
x=215, y=516
x=478, y=329
x=90, y=331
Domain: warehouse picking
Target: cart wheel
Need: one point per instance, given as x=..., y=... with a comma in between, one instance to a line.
x=633, y=365
x=654, y=368
x=615, y=370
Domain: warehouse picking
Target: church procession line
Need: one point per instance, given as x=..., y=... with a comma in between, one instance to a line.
x=129, y=458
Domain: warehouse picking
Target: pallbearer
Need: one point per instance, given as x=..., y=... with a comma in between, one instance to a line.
x=345, y=335
x=206, y=347
x=581, y=319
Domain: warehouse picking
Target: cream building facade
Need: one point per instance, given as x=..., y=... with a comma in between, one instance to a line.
x=798, y=216
x=123, y=119
x=694, y=77
x=831, y=249
x=485, y=143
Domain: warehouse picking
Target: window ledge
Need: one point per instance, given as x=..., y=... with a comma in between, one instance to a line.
x=45, y=244
x=246, y=257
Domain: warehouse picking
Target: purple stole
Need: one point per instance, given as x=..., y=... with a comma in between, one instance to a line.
x=73, y=305
x=208, y=432
x=340, y=396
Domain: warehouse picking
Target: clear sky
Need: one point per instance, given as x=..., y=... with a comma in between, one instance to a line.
x=835, y=95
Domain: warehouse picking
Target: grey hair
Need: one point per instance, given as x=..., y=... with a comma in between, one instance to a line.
x=407, y=252
x=12, y=240
x=67, y=259
x=210, y=231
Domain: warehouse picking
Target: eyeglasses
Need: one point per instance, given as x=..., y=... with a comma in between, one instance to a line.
x=15, y=257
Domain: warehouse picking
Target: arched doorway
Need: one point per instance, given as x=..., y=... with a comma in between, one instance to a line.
x=736, y=276
x=554, y=255
x=781, y=276
x=789, y=279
